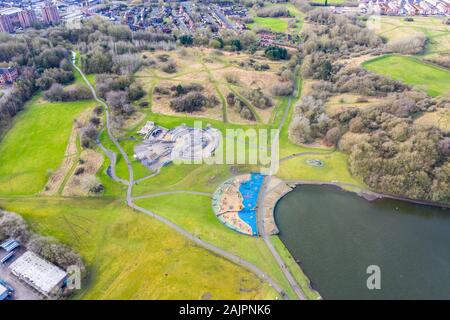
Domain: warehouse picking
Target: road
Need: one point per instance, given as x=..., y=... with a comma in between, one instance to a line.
x=129, y=200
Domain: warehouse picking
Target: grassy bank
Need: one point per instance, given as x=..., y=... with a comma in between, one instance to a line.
x=194, y=213
x=35, y=145
x=434, y=80
x=132, y=256
x=273, y=24
x=397, y=28
x=295, y=269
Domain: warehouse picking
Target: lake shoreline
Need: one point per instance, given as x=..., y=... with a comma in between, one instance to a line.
x=288, y=186
x=361, y=193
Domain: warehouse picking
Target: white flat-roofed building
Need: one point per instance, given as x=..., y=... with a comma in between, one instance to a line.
x=42, y=275
x=3, y=292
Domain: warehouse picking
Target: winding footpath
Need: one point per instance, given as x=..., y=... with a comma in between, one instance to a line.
x=260, y=212
x=129, y=200
x=158, y=194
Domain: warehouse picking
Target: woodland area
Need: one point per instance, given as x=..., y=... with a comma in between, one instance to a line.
x=387, y=150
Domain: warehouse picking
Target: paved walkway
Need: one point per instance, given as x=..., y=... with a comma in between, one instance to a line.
x=164, y=193
x=147, y=177
x=112, y=160
x=260, y=214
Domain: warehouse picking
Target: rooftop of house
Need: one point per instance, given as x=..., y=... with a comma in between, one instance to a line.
x=7, y=70
x=9, y=11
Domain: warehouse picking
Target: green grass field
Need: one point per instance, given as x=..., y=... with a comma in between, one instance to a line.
x=335, y=169
x=329, y=2
x=295, y=269
x=194, y=213
x=129, y=255
x=435, y=80
x=278, y=24
x=35, y=145
x=273, y=24
x=394, y=28
x=132, y=256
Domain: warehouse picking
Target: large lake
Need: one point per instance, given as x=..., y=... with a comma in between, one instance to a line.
x=336, y=235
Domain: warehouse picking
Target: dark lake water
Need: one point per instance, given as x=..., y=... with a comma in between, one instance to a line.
x=336, y=235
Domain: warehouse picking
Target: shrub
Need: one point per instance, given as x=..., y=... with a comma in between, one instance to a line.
x=192, y=101
x=273, y=11
x=232, y=78
x=408, y=45
x=186, y=40
x=258, y=98
x=283, y=89
x=135, y=92
x=79, y=170
x=95, y=121
x=169, y=67
x=98, y=110
x=89, y=136
x=57, y=93
x=332, y=136
x=231, y=99
x=276, y=53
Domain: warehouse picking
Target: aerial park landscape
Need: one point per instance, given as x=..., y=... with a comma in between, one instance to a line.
x=161, y=185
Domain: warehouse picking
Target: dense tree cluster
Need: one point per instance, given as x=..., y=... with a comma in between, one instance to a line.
x=276, y=53
x=398, y=157
x=330, y=37
x=442, y=60
x=190, y=98
x=186, y=40
x=388, y=150
x=413, y=44
x=190, y=102
x=258, y=98
x=55, y=75
x=57, y=93
x=235, y=102
x=363, y=82
x=273, y=11
x=13, y=101
x=39, y=63
x=119, y=92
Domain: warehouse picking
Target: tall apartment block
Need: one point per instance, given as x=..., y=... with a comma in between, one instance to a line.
x=50, y=14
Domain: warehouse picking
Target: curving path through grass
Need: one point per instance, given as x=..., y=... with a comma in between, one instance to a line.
x=129, y=199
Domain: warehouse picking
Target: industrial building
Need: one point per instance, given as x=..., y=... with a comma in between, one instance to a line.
x=3, y=292
x=13, y=18
x=5, y=23
x=6, y=292
x=50, y=13
x=38, y=273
